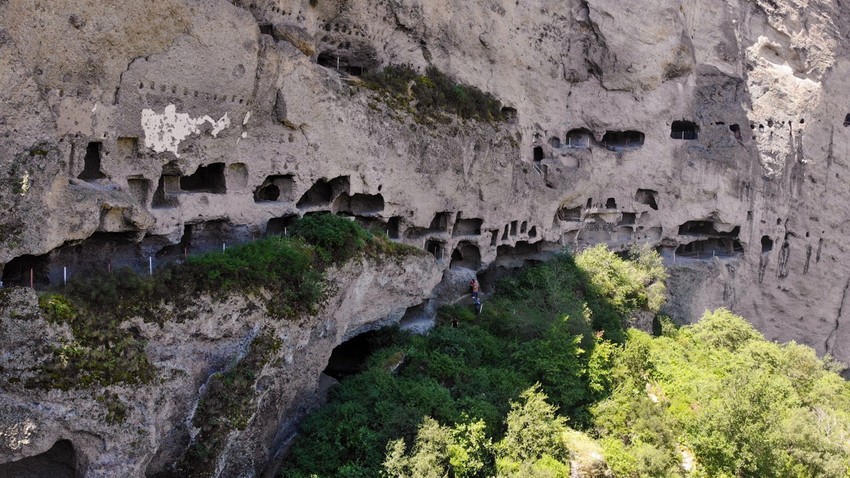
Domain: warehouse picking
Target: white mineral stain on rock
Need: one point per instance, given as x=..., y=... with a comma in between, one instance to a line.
x=164, y=132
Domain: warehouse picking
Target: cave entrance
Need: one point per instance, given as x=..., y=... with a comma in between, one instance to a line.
x=279, y=226
x=91, y=163
x=569, y=214
x=435, y=247
x=59, y=461
x=275, y=188
x=684, y=130
x=622, y=140
x=713, y=247
x=466, y=256
x=206, y=179
x=360, y=204
x=323, y=192
x=647, y=197
x=17, y=271
x=579, y=138
x=350, y=357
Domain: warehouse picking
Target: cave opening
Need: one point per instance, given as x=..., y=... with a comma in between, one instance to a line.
x=555, y=142
x=351, y=357
x=59, y=461
x=687, y=130
x=91, y=162
x=579, y=138
x=647, y=197
x=567, y=214
x=278, y=226
x=275, y=188
x=164, y=196
x=538, y=154
x=140, y=189
x=705, y=228
x=847, y=121
x=766, y=244
x=360, y=204
x=467, y=256
x=440, y=223
x=435, y=248
x=205, y=179
x=334, y=61
x=467, y=227
x=323, y=192
x=611, y=203
x=509, y=113
x=17, y=271
x=622, y=140
x=715, y=246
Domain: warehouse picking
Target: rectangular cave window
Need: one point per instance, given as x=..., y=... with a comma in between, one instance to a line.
x=611, y=203
x=684, y=130
x=205, y=179
x=622, y=140
x=467, y=227
x=579, y=138
x=538, y=154
x=628, y=218
x=435, y=248
x=266, y=28
x=140, y=189
x=164, y=197
x=91, y=167
x=513, y=227
x=847, y=121
x=280, y=225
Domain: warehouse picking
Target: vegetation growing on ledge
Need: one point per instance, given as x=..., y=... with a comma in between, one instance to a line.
x=289, y=269
x=430, y=97
x=226, y=406
x=502, y=394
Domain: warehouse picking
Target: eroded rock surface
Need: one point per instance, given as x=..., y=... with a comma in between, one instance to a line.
x=716, y=131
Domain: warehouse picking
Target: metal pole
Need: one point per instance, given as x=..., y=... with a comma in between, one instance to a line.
x=32, y=280
x=185, y=253
x=150, y=265
x=285, y=232
x=223, y=247
x=64, y=275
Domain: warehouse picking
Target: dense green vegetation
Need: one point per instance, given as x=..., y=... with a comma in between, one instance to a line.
x=289, y=271
x=431, y=96
x=549, y=374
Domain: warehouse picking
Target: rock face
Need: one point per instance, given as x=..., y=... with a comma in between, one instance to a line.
x=716, y=131
x=159, y=417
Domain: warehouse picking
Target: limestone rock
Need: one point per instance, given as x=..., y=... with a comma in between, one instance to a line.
x=297, y=36
x=714, y=131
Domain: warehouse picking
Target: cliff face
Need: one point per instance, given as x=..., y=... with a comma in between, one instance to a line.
x=715, y=130
x=159, y=419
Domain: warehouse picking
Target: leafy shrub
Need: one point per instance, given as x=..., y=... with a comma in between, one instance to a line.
x=335, y=238
x=433, y=94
